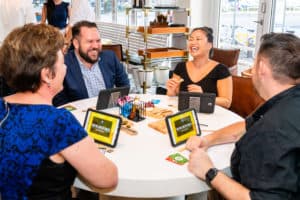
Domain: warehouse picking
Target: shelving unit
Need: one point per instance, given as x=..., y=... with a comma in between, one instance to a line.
x=149, y=57
x=163, y=30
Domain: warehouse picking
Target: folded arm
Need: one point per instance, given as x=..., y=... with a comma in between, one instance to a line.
x=228, y=134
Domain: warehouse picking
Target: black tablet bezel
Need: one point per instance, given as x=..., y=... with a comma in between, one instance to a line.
x=105, y=95
x=171, y=130
x=206, y=101
x=98, y=138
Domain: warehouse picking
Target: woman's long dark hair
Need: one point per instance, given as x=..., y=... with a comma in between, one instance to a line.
x=50, y=8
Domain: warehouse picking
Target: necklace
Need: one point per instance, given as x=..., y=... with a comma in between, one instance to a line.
x=7, y=113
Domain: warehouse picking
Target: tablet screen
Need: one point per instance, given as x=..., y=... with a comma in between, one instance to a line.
x=104, y=128
x=182, y=125
x=202, y=102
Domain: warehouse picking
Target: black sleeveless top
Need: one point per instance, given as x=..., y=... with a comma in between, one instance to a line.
x=208, y=83
x=53, y=181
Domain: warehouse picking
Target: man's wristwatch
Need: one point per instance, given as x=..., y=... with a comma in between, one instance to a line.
x=210, y=175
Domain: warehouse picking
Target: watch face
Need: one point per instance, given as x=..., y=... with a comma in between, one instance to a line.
x=211, y=174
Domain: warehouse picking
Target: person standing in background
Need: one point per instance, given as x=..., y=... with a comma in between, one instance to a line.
x=15, y=13
x=81, y=10
x=57, y=13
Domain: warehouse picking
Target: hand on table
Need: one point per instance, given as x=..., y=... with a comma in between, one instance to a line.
x=199, y=163
x=196, y=142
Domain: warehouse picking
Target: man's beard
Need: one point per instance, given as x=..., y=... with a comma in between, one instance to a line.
x=86, y=57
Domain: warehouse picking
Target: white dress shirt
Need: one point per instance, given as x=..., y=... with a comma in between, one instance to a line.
x=81, y=10
x=93, y=78
x=15, y=13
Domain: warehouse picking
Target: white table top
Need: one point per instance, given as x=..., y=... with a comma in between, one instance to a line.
x=143, y=170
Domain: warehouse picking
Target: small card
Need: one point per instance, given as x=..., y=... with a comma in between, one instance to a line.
x=177, y=158
x=69, y=107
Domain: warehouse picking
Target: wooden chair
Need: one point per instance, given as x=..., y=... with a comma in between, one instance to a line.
x=117, y=48
x=228, y=57
x=245, y=99
x=247, y=73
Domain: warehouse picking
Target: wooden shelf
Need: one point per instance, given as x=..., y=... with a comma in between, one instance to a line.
x=162, y=53
x=163, y=30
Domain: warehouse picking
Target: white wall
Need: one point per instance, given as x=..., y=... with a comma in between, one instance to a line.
x=203, y=13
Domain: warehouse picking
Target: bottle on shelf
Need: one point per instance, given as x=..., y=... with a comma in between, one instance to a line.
x=138, y=3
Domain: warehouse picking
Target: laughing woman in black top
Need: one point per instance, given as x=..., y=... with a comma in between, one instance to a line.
x=202, y=74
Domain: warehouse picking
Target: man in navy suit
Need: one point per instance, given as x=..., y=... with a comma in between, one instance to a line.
x=89, y=69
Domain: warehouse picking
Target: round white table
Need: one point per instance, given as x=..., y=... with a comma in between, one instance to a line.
x=143, y=169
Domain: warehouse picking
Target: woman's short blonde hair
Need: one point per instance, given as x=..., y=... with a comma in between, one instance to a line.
x=26, y=51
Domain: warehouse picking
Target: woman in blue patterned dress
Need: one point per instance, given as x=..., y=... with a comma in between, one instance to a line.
x=41, y=147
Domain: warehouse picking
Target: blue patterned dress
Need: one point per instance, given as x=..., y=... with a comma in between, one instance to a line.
x=29, y=134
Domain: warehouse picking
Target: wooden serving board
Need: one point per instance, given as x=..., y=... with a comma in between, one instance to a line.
x=158, y=113
x=159, y=125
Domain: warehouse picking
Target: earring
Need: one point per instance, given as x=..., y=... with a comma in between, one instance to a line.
x=48, y=84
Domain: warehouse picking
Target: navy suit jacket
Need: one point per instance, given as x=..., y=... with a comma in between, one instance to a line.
x=112, y=69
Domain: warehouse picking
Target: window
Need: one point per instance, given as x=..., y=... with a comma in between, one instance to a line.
x=114, y=11
x=237, y=28
x=286, y=17
x=106, y=10
x=121, y=10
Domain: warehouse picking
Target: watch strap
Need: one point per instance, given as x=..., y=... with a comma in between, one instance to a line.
x=210, y=175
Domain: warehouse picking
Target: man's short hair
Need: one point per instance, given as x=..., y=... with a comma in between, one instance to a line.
x=283, y=52
x=77, y=26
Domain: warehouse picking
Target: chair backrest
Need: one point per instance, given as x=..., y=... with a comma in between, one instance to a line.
x=245, y=99
x=228, y=57
x=117, y=48
x=247, y=72
x=161, y=90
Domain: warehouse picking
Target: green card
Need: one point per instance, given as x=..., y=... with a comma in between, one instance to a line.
x=177, y=158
